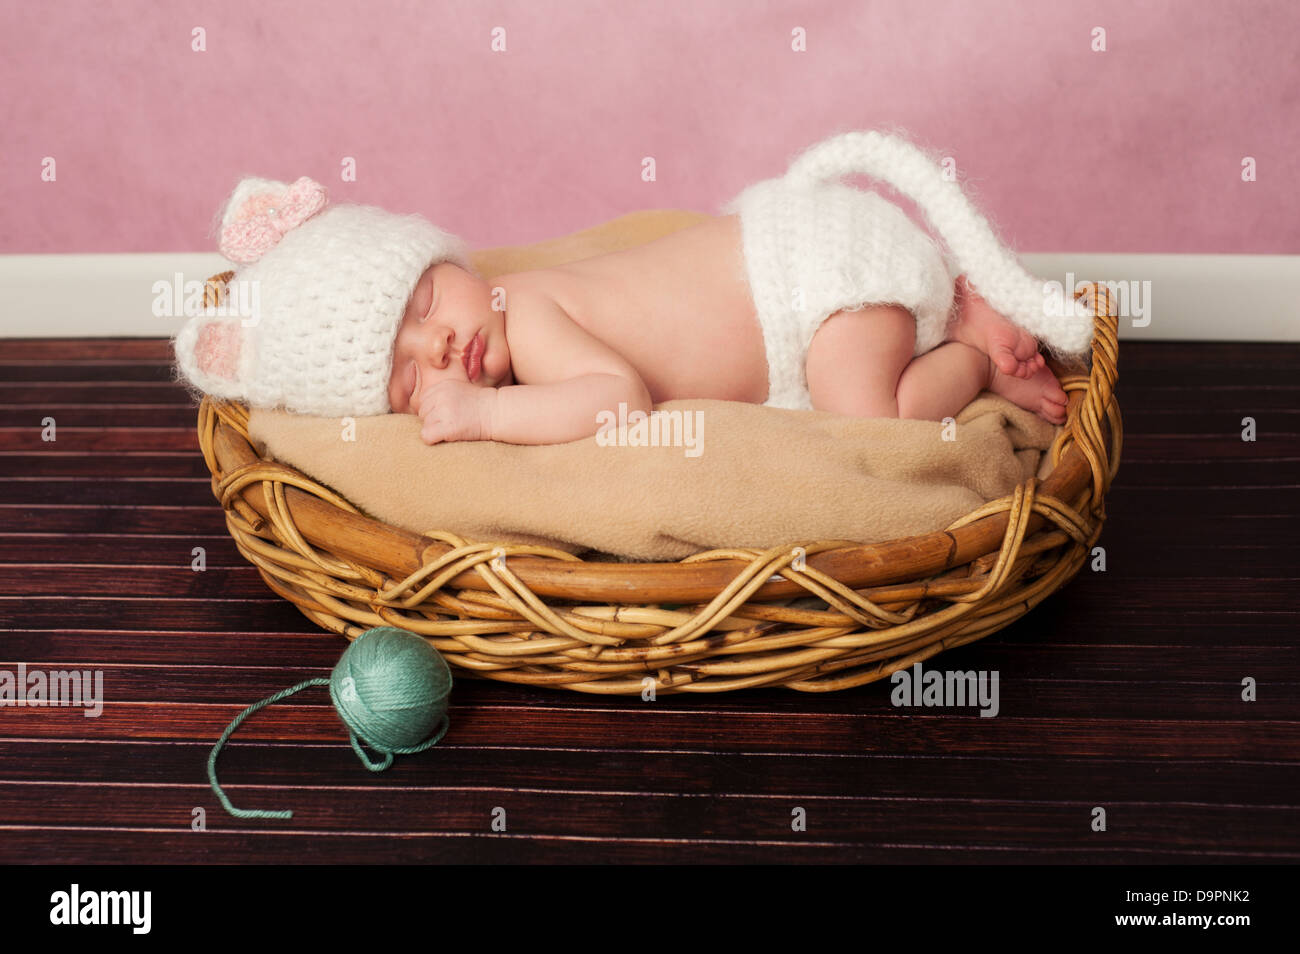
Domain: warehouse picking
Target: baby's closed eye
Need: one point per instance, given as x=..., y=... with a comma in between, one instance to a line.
x=417, y=384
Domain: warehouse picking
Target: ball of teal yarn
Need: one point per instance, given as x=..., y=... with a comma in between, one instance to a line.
x=390, y=688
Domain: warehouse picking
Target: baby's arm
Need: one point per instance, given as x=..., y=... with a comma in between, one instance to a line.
x=572, y=377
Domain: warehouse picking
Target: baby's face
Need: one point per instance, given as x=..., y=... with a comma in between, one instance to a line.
x=448, y=309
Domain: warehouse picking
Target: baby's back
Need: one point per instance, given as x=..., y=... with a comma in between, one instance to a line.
x=678, y=309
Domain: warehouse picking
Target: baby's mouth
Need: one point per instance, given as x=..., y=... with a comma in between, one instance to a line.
x=472, y=357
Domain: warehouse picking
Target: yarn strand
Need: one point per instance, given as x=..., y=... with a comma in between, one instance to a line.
x=408, y=750
x=390, y=688
x=216, y=749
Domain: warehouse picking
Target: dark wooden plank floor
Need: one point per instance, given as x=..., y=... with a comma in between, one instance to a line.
x=1122, y=691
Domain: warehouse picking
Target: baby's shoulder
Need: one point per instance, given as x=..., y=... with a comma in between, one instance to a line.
x=533, y=314
x=527, y=299
x=548, y=343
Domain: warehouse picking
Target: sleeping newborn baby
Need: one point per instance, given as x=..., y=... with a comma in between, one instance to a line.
x=674, y=319
x=804, y=293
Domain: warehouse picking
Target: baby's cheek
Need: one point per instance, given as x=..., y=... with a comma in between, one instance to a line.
x=396, y=397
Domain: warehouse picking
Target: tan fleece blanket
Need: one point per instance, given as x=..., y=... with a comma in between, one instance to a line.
x=700, y=474
x=742, y=475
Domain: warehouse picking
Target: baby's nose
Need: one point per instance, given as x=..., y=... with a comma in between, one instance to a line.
x=444, y=338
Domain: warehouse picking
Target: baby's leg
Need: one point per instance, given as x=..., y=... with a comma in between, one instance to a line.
x=856, y=359
x=860, y=364
x=944, y=380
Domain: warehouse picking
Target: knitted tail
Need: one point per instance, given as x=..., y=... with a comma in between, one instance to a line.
x=993, y=271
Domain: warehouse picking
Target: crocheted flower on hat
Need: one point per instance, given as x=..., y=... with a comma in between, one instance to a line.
x=261, y=212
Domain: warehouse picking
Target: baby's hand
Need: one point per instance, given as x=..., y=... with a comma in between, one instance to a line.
x=453, y=411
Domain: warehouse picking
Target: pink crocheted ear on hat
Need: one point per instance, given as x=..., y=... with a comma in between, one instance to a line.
x=216, y=352
x=260, y=211
x=212, y=354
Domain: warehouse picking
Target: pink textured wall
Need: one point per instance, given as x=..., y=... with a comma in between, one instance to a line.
x=1137, y=149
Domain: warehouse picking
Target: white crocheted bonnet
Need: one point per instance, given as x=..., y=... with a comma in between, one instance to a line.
x=309, y=320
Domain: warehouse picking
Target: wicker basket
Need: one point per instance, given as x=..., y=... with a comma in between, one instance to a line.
x=814, y=615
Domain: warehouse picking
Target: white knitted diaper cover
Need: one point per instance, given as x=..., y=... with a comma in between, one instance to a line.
x=811, y=251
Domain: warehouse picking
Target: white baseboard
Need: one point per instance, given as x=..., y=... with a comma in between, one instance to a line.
x=95, y=296
x=1192, y=297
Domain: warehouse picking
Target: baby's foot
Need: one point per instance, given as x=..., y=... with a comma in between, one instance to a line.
x=1040, y=392
x=1013, y=350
